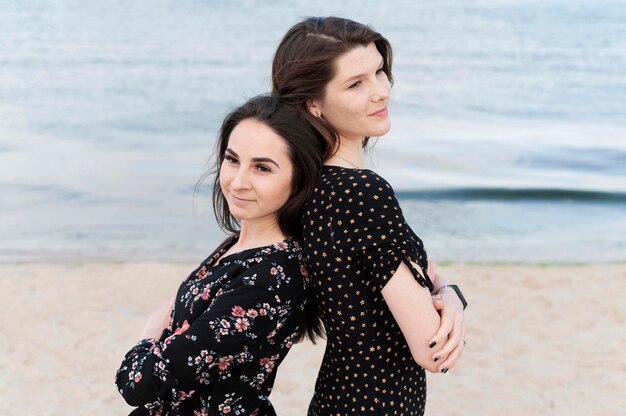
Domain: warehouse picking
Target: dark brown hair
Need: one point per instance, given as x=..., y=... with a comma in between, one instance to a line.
x=305, y=59
x=305, y=147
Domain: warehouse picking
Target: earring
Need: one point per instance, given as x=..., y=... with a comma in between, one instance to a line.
x=318, y=115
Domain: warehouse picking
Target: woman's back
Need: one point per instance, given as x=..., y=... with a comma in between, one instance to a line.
x=355, y=238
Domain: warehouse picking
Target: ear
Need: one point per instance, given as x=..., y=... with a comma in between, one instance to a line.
x=314, y=107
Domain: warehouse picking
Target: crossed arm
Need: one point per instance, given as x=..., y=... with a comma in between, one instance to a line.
x=432, y=326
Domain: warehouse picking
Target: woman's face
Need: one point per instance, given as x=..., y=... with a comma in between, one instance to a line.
x=355, y=100
x=256, y=173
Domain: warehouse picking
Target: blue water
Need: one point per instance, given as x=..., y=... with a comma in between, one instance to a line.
x=508, y=138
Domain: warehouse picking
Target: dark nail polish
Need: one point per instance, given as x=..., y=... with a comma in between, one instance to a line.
x=436, y=358
x=444, y=370
x=432, y=344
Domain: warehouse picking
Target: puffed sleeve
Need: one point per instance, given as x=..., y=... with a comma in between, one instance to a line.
x=243, y=318
x=370, y=227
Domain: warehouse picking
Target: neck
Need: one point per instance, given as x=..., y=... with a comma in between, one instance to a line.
x=258, y=233
x=349, y=154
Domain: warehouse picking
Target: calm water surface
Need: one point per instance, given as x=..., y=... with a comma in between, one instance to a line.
x=508, y=140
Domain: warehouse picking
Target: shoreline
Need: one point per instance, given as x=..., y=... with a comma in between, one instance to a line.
x=115, y=260
x=541, y=339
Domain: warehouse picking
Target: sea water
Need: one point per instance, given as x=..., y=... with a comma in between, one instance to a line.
x=508, y=140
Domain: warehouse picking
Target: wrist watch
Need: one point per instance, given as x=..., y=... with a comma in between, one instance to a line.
x=458, y=293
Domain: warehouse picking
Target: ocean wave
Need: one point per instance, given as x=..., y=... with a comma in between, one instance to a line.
x=505, y=194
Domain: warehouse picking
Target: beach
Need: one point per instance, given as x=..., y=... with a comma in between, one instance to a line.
x=506, y=148
x=542, y=339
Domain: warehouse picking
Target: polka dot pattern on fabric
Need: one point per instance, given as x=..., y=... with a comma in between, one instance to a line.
x=355, y=238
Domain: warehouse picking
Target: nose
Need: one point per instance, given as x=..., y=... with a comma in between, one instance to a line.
x=240, y=180
x=382, y=89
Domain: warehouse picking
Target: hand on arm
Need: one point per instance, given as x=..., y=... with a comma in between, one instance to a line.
x=159, y=372
x=446, y=342
x=238, y=321
x=158, y=321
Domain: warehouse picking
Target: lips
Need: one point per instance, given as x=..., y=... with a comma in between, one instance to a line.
x=381, y=112
x=240, y=198
x=240, y=201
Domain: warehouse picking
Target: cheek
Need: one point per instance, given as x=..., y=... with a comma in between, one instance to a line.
x=349, y=110
x=341, y=117
x=347, y=107
x=284, y=191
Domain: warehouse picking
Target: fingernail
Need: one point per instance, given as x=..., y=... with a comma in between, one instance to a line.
x=432, y=344
x=444, y=370
x=436, y=358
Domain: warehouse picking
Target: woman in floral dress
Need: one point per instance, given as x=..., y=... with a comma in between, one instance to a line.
x=215, y=349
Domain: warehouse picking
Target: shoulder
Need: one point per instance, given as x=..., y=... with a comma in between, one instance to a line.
x=277, y=264
x=288, y=250
x=365, y=181
x=360, y=192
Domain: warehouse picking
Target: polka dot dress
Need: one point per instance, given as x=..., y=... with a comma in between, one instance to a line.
x=355, y=238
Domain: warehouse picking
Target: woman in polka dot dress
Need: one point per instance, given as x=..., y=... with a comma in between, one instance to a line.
x=369, y=270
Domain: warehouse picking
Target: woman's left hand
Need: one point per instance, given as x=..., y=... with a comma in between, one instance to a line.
x=449, y=339
x=158, y=321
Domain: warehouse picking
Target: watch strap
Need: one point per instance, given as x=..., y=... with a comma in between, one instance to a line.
x=457, y=291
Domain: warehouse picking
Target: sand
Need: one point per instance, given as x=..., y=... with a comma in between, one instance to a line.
x=541, y=339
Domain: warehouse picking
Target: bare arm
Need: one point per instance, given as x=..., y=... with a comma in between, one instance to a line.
x=412, y=307
x=447, y=343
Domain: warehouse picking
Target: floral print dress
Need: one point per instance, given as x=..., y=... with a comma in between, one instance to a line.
x=244, y=314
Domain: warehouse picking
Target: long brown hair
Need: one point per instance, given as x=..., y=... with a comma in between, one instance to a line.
x=305, y=59
x=305, y=147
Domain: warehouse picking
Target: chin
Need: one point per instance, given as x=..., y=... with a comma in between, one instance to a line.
x=380, y=132
x=381, y=129
x=237, y=214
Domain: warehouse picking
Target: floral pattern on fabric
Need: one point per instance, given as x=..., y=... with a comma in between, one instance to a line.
x=244, y=314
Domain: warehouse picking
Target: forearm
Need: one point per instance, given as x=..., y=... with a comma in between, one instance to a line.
x=136, y=379
x=439, y=281
x=412, y=307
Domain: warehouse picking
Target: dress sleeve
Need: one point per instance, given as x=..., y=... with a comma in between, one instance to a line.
x=370, y=226
x=244, y=317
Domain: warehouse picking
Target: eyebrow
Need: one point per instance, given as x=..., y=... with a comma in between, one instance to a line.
x=254, y=159
x=354, y=77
